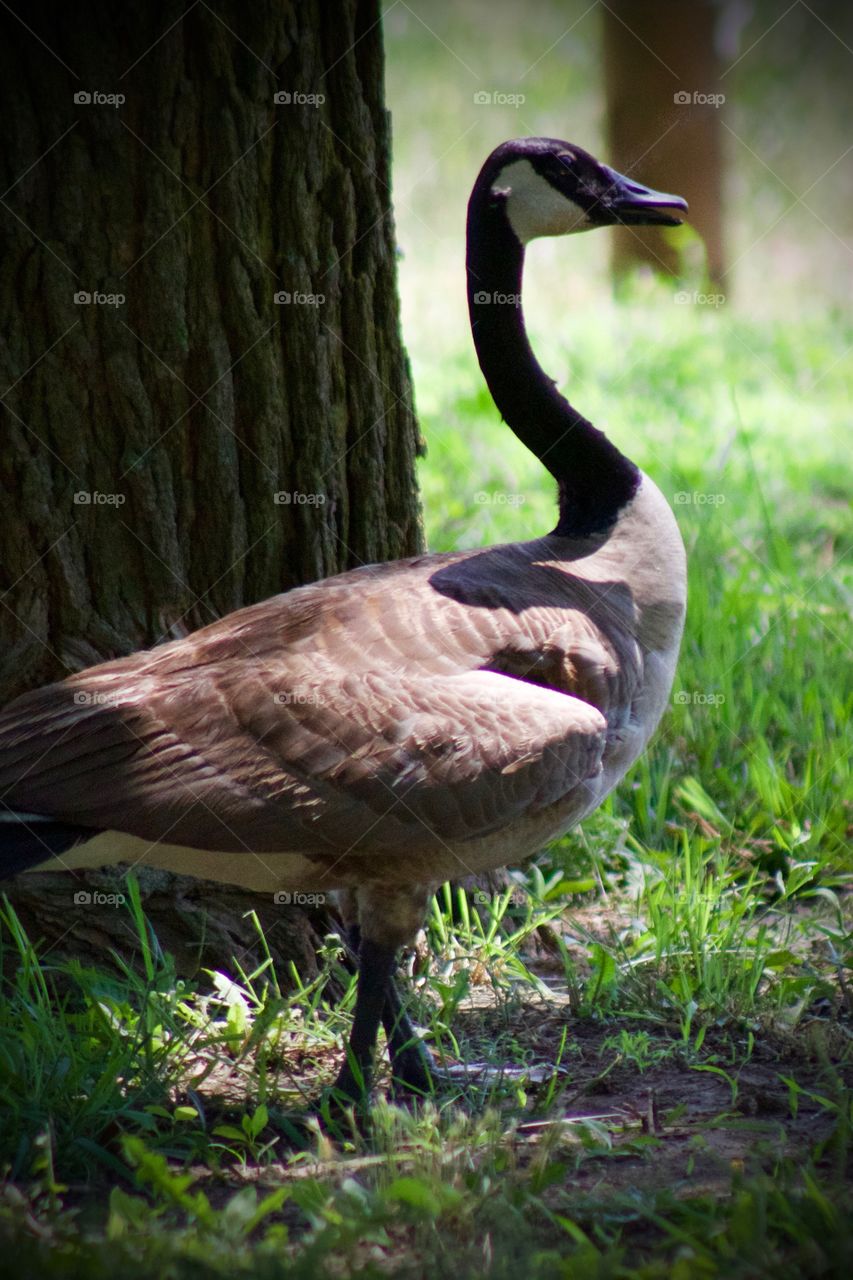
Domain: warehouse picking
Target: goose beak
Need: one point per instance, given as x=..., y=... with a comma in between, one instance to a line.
x=634, y=205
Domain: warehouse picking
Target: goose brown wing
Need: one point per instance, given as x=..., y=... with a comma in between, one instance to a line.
x=230, y=758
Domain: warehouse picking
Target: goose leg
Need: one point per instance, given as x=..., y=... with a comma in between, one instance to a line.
x=395, y=915
x=412, y=1063
x=375, y=967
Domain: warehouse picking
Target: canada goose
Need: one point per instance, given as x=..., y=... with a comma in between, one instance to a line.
x=400, y=724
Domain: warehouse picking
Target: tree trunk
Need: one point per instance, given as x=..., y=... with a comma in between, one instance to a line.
x=200, y=925
x=205, y=396
x=184, y=445
x=663, y=121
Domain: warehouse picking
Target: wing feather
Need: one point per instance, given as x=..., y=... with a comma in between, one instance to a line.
x=381, y=761
x=436, y=699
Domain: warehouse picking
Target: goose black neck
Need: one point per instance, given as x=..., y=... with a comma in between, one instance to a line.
x=594, y=479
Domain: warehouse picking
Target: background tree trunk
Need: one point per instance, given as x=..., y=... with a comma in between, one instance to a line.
x=662, y=77
x=176, y=441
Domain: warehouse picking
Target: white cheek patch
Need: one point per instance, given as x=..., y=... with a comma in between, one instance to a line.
x=535, y=208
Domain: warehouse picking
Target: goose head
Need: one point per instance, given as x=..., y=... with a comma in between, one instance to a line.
x=545, y=187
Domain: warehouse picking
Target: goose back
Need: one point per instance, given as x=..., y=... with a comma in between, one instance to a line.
x=494, y=696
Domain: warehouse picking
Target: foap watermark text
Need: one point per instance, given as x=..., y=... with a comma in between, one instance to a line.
x=286, y=298
x=296, y=498
x=497, y=98
x=94, y=498
x=694, y=698
x=296, y=98
x=95, y=98
x=88, y=298
x=497, y=498
x=299, y=698
x=484, y=298
x=693, y=297
x=696, y=98
x=698, y=499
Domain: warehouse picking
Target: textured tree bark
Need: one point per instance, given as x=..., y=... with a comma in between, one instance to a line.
x=205, y=398
x=663, y=121
x=146, y=441
x=201, y=926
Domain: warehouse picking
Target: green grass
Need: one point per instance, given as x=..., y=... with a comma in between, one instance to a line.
x=679, y=971
x=126, y=1152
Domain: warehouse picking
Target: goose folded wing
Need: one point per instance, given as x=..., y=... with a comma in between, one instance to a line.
x=231, y=758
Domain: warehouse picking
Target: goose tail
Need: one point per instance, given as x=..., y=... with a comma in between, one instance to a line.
x=30, y=840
